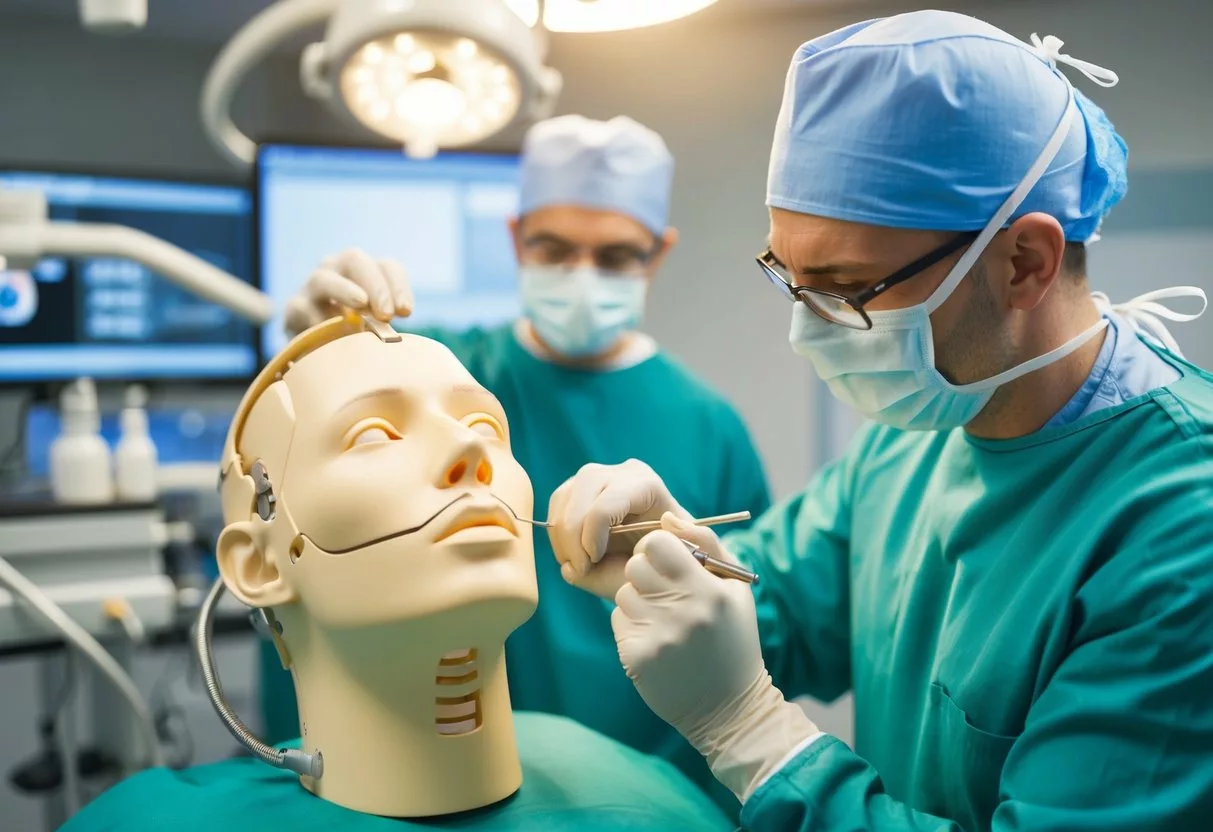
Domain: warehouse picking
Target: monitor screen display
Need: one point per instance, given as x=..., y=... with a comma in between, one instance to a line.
x=111, y=318
x=444, y=219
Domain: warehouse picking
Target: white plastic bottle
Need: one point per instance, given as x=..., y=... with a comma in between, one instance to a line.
x=80, y=458
x=135, y=457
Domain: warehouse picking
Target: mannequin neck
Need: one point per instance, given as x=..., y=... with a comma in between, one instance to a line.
x=409, y=724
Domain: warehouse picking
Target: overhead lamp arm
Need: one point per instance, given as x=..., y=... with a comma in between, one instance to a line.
x=256, y=40
x=542, y=38
x=26, y=236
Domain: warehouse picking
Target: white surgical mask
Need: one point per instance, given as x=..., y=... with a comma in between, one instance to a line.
x=583, y=311
x=888, y=372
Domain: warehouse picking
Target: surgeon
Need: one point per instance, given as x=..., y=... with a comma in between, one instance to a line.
x=1012, y=565
x=590, y=238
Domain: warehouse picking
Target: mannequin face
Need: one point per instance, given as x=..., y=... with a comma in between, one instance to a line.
x=392, y=498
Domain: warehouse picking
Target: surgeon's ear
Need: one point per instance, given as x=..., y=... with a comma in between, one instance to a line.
x=248, y=570
x=515, y=226
x=1036, y=246
x=669, y=238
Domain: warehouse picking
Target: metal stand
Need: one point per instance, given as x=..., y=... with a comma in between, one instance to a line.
x=54, y=671
x=115, y=730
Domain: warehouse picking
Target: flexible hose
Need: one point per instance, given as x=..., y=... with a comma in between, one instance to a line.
x=288, y=758
x=83, y=641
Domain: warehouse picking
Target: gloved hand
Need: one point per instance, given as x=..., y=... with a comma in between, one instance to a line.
x=588, y=504
x=689, y=642
x=351, y=280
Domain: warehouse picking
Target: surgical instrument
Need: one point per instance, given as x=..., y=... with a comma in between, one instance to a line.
x=650, y=525
x=721, y=568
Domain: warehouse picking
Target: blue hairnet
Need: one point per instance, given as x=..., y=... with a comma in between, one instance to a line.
x=617, y=165
x=929, y=120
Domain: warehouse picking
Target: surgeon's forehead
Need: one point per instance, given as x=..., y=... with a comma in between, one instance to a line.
x=813, y=243
x=583, y=225
x=361, y=367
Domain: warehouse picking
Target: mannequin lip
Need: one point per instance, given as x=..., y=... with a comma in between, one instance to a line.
x=478, y=516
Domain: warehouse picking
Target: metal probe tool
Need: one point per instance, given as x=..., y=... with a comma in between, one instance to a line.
x=651, y=525
x=721, y=568
x=716, y=566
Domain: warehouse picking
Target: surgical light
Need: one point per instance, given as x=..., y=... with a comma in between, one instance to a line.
x=603, y=15
x=429, y=89
x=425, y=73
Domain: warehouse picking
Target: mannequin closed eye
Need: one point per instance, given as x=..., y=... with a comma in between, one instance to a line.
x=485, y=425
x=371, y=431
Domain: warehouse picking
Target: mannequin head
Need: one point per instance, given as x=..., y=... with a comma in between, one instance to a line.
x=368, y=497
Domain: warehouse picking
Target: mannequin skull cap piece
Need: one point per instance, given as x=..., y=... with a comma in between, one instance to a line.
x=369, y=498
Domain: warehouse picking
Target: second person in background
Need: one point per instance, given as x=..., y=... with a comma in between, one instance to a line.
x=590, y=237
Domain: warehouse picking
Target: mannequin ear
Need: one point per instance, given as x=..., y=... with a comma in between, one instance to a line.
x=247, y=569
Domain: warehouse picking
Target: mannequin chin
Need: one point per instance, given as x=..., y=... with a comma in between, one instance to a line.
x=380, y=530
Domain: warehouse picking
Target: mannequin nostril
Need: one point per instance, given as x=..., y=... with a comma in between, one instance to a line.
x=456, y=473
x=484, y=472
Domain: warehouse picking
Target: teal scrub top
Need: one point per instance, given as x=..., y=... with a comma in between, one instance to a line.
x=1026, y=625
x=572, y=779
x=564, y=661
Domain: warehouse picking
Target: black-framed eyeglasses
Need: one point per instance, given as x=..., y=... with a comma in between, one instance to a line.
x=848, y=310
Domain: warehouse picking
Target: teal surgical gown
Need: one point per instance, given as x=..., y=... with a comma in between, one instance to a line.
x=572, y=779
x=563, y=661
x=1026, y=625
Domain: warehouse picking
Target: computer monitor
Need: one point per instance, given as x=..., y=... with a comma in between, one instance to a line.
x=444, y=219
x=114, y=319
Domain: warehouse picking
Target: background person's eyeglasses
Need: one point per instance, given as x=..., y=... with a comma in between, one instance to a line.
x=848, y=310
x=617, y=258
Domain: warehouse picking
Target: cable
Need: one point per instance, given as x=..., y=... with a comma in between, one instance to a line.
x=171, y=723
x=297, y=761
x=61, y=697
x=7, y=455
x=83, y=641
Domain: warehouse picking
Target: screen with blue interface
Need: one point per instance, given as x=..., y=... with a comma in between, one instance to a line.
x=445, y=219
x=111, y=318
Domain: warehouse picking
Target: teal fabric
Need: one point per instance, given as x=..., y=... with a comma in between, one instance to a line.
x=1026, y=625
x=573, y=779
x=563, y=661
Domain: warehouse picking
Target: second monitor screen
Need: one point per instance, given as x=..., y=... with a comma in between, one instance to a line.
x=444, y=219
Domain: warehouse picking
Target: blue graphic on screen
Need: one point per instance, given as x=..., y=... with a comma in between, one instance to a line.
x=111, y=318
x=445, y=219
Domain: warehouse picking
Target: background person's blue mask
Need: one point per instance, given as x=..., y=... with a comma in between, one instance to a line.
x=581, y=312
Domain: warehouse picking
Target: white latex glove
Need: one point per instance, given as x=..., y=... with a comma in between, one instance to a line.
x=689, y=642
x=588, y=504
x=351, y=280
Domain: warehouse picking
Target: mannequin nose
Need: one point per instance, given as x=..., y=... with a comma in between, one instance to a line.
x=467, y=466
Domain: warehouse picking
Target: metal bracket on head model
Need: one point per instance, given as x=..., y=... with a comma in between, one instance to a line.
x=382, y=330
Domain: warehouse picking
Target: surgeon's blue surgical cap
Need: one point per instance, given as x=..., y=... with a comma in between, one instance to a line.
x=617, y=165
x=929, y=120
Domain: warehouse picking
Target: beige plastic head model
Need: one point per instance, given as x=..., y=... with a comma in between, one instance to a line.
x=368, y=490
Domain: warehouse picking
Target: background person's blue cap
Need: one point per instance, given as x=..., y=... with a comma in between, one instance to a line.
x=617, y=165
x=929, y=120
